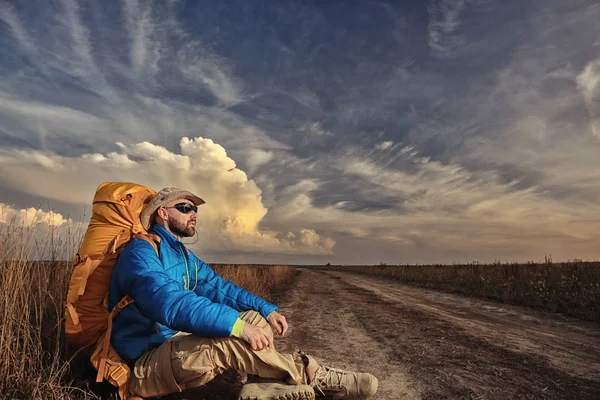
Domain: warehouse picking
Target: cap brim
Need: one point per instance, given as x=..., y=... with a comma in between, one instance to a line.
x=191, y=197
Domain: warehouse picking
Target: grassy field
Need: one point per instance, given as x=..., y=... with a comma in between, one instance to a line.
x=571, y=288
x=36, y=362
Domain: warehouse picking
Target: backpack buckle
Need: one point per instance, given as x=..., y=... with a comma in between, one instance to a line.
x=124, y=302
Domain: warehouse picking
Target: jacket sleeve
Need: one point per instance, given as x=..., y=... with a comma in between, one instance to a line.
x=164, y=300
x=219, y=290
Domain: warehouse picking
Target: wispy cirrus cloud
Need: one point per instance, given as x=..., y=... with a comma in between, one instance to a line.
x=384, y=145
x=438, y=208
x=159, y=47
x=145, y=53
x=444, y=25
x=16, y=28
x=588, y=82
x=47, y=112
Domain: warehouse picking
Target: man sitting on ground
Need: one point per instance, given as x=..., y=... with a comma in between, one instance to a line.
x=188, y=325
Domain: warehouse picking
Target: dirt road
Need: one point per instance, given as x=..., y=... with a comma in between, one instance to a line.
x=424, y=344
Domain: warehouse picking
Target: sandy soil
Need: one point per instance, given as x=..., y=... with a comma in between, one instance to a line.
x=424, y=344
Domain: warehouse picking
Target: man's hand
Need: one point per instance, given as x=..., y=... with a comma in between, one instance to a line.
x=278, y=323
x=256, y=337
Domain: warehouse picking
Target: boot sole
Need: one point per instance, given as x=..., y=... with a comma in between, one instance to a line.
x=276, y=391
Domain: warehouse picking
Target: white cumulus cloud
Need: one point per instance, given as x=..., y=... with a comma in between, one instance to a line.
x=230, y=219
x=31, y=216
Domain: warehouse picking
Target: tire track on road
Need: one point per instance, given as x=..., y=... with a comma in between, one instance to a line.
x=447, y=359
x=323, y=324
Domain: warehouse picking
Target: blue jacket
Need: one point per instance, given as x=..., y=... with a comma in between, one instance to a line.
x=172, y=292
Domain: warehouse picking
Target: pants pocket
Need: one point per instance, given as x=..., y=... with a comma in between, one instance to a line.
x=153, y=373
x=192, y=361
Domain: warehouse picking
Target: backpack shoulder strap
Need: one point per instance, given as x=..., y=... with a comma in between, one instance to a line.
x=154, y=240
x=118, y=372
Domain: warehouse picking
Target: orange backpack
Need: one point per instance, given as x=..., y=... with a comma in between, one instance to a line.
x=88, y=323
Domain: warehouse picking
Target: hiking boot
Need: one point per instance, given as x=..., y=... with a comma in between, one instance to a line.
x=336, y=383
x=276, y=391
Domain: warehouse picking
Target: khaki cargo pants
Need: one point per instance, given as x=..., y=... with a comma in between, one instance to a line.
x=186, y=361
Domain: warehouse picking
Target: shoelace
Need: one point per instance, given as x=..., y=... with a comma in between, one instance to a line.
x=327, y=378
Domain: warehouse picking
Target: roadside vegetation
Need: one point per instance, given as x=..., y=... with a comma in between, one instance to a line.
x=571, y=288
x=36, y=362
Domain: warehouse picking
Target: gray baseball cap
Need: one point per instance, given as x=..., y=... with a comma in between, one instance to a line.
x=163, y=197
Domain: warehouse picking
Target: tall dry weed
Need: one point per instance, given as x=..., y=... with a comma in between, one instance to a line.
x=261, y=280
x=34, y=361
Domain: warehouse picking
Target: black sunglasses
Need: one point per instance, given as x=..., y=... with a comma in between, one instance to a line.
x=184, y=208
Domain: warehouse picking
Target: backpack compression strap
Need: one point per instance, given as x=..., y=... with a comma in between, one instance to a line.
x=125, y=301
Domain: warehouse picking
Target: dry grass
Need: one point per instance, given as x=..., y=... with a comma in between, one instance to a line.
x=36, y=362
x=572, y=288
x=32, y=293
x=261, y=280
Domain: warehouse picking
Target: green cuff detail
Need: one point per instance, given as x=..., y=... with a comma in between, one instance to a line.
x=238, y=327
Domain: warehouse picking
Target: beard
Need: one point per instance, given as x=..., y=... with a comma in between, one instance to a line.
x=182, y=229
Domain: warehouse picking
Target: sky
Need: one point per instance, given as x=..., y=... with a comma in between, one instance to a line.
x=342, y=132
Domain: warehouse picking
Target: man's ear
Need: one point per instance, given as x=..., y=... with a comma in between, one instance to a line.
x=161, y=212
